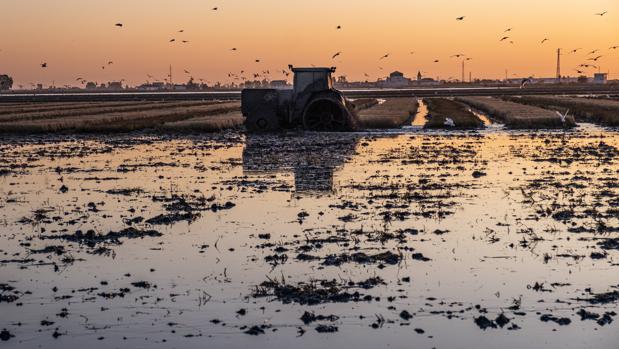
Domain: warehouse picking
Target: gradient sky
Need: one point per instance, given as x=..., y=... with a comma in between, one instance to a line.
x=76, y=37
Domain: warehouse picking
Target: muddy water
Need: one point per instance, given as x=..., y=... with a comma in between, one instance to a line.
x=233, y=238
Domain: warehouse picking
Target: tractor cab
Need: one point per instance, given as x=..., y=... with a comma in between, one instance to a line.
x=312, y=79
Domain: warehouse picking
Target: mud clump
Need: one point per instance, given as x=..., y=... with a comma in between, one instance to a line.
x=91, y=238
x=309, y=317
x=5, y=335
x=387, y=257
x=561, y=321
x=326, y=329
x=315, y=291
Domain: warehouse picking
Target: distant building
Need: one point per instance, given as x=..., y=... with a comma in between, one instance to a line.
x=279, y=84
x=115, y=85
x=395, y=80
x=600, y=78
x=153, y=86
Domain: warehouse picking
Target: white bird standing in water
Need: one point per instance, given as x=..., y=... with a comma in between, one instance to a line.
x=563, y=116
x=449, y=122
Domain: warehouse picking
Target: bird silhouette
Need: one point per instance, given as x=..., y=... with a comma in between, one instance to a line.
x=186, y=71
x=339, y=27
x=524, y=82
x=233, y=49
x=120, y=25
x=172, y=40
x=460, y=18
x=592, y=52
x=215, y=8
x=613, y=47
x=335, y=55
x=601, y=13
x=457, y=55
x=575, y=50
x=436, y=61
x=181, y=31
x=43, y=65
x=507, y=30
x=385, y=56
x=257, y=61
x=504, y=38
x=545, y=39
x=594, y=59
x=110, y=62
x=184, y=41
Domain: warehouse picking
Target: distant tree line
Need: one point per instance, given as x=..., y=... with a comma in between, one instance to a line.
x=6, y=82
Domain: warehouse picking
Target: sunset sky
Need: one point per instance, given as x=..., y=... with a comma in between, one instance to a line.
x=76, y=38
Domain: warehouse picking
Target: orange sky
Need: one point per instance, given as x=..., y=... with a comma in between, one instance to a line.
x=76, y=37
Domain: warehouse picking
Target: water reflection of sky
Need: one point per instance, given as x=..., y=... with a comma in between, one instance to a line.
x=271, y=180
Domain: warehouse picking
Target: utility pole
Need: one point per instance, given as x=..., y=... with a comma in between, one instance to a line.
x=558, y=65
x=462, y=71
x=170, y=78
x=470, y=80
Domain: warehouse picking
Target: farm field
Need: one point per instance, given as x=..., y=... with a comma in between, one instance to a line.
x=445, y=238
x=601, y=111
x=517, y=115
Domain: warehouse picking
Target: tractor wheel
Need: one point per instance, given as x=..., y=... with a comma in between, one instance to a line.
x=326, y=115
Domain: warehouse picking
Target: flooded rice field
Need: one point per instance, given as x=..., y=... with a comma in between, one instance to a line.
x=413, y=238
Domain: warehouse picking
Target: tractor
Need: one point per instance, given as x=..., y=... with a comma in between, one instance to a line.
x=312, y=104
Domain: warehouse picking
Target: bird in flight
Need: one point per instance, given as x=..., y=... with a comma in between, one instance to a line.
x=185, y=41
x=436, y=61
x=186, y=71
x=412, y=52
x=594, y=59
x=119, y=25
x=43, y=65
x=335, y=55
x=601, y=13
x=181, y=31
x=233, y=49
x=460, y=18
x=545, y=39
x=110, y=62
x=613, y=47
x=507, y=30
x=592, y=52
x=172, y=40
x=215, y=8
x=457, y=55
x=385, y=56
x=579, y=71
x=504, y=38
x=575, y=50
x=257, y=61
x=339, y=27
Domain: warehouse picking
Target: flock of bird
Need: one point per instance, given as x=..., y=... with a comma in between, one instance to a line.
x=592, y=57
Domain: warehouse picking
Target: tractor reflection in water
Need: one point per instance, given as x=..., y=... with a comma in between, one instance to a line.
x=313, y=159
x=312, y=104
